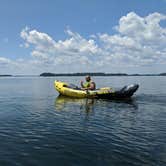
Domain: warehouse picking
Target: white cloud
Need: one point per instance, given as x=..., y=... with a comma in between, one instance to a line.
x=145, y=30
x=4, y=61
x=74, y=49
x=139, y=42
x=40, y=40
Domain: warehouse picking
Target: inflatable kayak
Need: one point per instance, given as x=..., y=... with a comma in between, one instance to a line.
x=72, y=90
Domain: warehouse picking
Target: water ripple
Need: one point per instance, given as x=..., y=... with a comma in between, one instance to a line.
x=39, y=128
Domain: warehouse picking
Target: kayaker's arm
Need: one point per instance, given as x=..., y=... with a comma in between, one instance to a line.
x=82, y=84
x=92, y=86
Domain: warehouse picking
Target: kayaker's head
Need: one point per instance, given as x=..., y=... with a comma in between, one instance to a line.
x=88, y=78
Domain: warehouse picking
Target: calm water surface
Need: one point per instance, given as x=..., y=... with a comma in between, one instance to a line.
x=39, y=128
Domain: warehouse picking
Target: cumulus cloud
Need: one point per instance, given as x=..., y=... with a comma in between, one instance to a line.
x=73, y=50
x=4, y=61
x=138, y=41
x=143, y=29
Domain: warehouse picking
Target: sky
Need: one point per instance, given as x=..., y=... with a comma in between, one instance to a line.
x=60, y=36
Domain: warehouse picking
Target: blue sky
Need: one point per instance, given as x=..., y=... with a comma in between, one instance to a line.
x=88, y=30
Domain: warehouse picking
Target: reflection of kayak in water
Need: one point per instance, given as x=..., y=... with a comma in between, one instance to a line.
x=71, y=90
x=63, y=102
x=89, y=104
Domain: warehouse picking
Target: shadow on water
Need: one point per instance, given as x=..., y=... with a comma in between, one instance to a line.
x=89, y=105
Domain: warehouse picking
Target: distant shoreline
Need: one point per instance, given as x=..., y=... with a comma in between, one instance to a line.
x=81, y=74
x=96, y=74
x=5, y=75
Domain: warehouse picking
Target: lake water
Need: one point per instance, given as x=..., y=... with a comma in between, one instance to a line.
x=39, y=128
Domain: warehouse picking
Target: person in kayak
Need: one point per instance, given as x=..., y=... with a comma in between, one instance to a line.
x=89, y=84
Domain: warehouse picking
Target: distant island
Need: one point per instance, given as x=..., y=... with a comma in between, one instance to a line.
x=5, y=75
x=46, y=74
x=81, y=74
x=162, y=74
x=97, y=74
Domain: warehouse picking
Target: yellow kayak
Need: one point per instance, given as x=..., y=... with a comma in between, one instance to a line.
x=71, y=90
